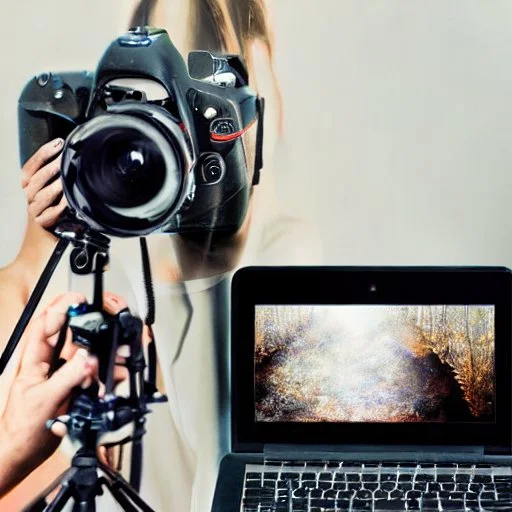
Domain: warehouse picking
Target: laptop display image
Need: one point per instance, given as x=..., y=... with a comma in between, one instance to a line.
x=369, y=388
x=400, y=363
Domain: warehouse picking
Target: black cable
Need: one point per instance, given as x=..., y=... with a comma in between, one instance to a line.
x=148, y=282
x=150, y=315
x=137, y=447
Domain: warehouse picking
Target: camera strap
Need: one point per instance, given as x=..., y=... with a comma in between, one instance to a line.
x=258, y=159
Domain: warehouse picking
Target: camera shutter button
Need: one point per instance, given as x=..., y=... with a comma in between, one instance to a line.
x=210, y=113
x=43, y=79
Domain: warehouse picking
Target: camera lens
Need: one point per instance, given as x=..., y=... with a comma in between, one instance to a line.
x=124, y=175
x=131, y=162
x=212, y=169
x=125, y=169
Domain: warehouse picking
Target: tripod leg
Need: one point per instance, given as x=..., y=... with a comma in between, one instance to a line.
x=119, y=482
x=39, y=504
x=60, y=500
x=32, y=303
x=120, y=497
x=136, y=464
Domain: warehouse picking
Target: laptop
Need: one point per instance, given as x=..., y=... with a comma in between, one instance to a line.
x=369, y=389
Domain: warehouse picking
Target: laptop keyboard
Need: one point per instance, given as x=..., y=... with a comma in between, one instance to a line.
x=315, y=486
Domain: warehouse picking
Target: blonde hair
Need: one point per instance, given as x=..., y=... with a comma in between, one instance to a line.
x=226, y=26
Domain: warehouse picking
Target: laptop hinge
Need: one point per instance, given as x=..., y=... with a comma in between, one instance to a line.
x=373, y=452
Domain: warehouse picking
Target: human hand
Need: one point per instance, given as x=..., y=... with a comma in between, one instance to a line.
x=43, y=192
x=25, y=442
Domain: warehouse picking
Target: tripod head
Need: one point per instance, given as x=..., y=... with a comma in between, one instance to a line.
x=90, y=416
x=102, y=334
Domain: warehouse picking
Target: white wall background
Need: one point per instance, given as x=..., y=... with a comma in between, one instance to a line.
x=399, y=117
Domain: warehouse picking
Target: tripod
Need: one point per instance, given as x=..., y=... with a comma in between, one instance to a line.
x=82, y=484
x=89, y=416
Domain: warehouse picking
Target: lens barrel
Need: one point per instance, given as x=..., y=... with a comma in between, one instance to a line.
x=126, y=174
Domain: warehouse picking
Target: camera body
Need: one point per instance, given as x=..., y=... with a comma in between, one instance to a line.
x=151, y=146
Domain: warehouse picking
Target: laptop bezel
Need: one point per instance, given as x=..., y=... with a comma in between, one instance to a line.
x=253, y=286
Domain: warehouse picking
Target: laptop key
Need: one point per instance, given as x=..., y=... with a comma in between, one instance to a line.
x=430, y=504
x=361, y=505
x=309, y=484
x=382, y=505
x=341, y=504
x=252, y=483
x=331, y=494
x=471, y=501
x=285, y=484
x=424, y=477
x=503, y=478
x=259, y=493
x=412, y=504
x=316, y=493
x=300, y=493
x=323, y=503
x=452, y=505
x=264, y=502
x=345, y=495
x=496, y=506
x=475, y=487
x=482, y=479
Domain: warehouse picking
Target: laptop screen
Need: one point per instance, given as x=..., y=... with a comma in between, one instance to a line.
x=372, y=355
x=374, y=363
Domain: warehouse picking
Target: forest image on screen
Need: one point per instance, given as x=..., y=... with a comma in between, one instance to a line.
x=428, y=363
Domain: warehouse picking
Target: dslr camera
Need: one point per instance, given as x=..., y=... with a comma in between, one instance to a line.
x=151, y=145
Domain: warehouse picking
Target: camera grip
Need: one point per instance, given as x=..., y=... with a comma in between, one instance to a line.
x=33, y=132
x=50, y=106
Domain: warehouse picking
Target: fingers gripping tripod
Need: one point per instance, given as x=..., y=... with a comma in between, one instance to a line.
x=90, y=417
